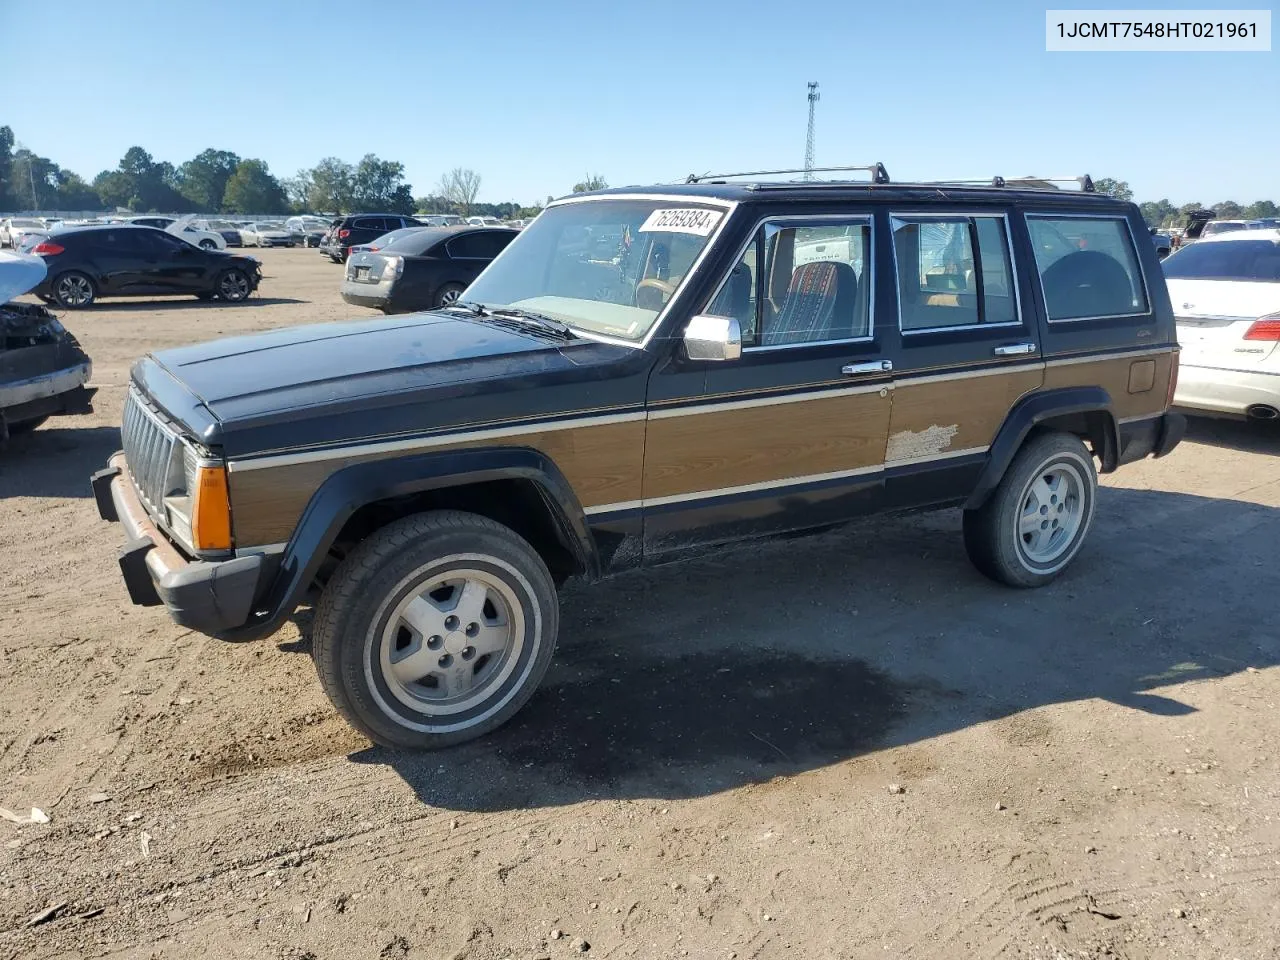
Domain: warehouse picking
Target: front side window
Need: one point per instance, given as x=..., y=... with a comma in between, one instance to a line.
x=1088, y=267
x=606, y=266
x=953, y=272
x=800, y=284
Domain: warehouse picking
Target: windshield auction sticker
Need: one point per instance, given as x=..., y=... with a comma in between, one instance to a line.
x=686, y=220
x=1187, y=31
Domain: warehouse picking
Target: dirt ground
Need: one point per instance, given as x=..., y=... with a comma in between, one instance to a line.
x=1088, y=770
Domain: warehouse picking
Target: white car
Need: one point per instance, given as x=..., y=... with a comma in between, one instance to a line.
x=484, y=222
x=266, y=234
x=16, y=227
x=1225, y=292
x=185, y=228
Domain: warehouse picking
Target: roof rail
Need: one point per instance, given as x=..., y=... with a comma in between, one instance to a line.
x=1084, y=183
x=878, y=173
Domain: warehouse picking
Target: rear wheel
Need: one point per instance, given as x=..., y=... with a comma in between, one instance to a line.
x=435, y=630
x=73, y=290
x=448, y=295
x=233, y=286
x=207, y=244
x=1036, y=520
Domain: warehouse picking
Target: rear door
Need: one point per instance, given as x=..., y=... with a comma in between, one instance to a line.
x=966, y=348
x=1101, y=324
x=792, y=434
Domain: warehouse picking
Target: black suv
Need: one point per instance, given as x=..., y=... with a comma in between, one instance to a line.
x=86, y=263
x=641, y=373
x=361, y=228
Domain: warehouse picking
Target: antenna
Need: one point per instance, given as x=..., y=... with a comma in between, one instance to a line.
x=814, y=97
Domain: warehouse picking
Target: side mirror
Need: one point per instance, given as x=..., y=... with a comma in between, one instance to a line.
x=713, y=338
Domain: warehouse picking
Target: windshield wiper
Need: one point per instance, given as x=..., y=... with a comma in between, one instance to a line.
x=537, y=319
x=524, y=317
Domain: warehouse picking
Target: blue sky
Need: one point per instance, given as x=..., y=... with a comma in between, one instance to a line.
x=535, y=95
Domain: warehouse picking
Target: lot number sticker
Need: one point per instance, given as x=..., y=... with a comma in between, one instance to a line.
x=698, y=222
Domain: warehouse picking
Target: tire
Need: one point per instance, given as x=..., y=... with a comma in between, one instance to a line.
x=1051, y=478
x=73, y=290
x=25, y=426
x=207, y=244
x=369, y=655
x=447, y=294
x=232, y=286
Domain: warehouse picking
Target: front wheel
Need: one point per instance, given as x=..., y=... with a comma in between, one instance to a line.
x=1036, y=520
x=435, y=630
x=233, y=286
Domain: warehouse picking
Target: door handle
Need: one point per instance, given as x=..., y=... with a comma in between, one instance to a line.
x=1015, y=350
x=875, y=366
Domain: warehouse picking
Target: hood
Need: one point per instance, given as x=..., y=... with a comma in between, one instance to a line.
x=300, y=370
x=19, y=274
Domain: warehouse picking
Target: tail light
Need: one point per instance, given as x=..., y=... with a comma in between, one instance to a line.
x=1173, y=377
x=1264, y=328
x=343, y=234
x=47, y=248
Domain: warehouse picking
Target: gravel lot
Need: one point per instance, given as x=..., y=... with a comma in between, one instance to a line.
x=1088, y=770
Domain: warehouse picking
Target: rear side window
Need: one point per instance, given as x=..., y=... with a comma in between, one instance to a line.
x=371, y=223
x=953, y=272
x=1255, y=260
x=478, y=246
x=1088, y=267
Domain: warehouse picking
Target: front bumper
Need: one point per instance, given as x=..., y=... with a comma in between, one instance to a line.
x=212, y=597
x=68, y=383
x=1228, y=393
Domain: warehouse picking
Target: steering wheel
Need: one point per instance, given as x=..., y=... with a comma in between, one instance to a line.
x=665, y=290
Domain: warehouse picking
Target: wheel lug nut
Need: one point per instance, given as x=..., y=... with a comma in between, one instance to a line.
x=1044, y=511
x=473, y=629
x=468, y=653
x=446, y=660
x=451, y=623
x=435, y=643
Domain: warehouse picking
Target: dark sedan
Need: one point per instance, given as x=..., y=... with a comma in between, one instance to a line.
x=425, y=270
x=86, y=263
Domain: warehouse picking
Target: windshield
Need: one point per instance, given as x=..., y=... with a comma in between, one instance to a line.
x=1228, y=260
x=1222, y=226
x=604, y=266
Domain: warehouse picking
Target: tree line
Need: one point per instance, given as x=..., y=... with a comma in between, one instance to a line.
x=1162, y=213
x=221, y=181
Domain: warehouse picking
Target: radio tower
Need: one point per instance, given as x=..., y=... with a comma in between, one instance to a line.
x=814, y=96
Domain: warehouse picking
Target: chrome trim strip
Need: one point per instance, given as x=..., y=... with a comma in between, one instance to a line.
x=769, y=401
x=1112, y=355
x=835, y=219
x=437, y=440
x=763, y=485
x=949, y=455
x=618, y=507
x=1133, y=249
x=901, y=380
x=1012, y=264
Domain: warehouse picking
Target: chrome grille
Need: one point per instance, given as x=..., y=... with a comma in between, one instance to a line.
x=148, y=449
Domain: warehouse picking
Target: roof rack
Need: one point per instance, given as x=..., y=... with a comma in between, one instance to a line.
x=1083, y=182
x=878, y=173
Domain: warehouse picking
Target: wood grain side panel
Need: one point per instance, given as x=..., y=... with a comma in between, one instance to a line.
x=602, y=463
x=938, y=417
x=731, y=448
x=1113, y=374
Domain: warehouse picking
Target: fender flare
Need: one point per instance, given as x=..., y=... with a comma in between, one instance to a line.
x=1032, y=410
x=347, y=490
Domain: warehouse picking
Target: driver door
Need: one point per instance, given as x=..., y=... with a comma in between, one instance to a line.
x=792, y=433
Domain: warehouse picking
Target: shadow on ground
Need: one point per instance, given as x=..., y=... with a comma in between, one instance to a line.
x=691, y=678
x=56, y=459
x=1253, y=436
x=126, y=304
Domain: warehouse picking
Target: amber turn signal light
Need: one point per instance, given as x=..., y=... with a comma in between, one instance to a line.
x=211, y=511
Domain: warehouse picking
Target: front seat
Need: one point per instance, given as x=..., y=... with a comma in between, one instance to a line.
x=819, y=305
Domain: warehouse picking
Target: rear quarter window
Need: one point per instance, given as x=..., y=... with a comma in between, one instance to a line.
x=1088, y=267
x=1248, y=260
